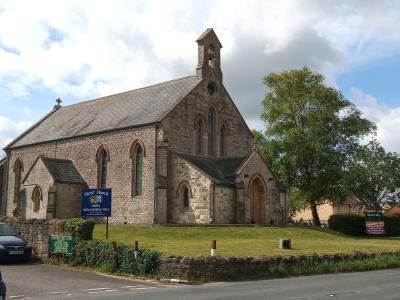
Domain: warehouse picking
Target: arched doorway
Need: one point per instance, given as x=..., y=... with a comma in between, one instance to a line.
x=257, y=201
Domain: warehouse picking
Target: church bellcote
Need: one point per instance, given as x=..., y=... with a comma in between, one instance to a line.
x=209, y=58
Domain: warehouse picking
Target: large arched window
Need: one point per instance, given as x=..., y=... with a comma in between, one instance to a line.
x=222, y=141
x=137, y=153
x=102, y=162
x=199, y=133
x=36, y=198
x=18, y=168
x=211, y=131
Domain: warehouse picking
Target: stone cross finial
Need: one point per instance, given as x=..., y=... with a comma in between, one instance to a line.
x=58, y=105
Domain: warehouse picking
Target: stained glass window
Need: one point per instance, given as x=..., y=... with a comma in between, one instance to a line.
x=138, y=171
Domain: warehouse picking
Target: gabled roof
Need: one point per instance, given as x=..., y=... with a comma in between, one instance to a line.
x=63, y=170
x=221, y=170
x=209, y=32
x=129, y=109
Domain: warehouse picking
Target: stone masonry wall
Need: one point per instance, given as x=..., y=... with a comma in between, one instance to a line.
x=82, y=151
x=224, y=207
x=36, y=232
x=274, y=213
x=223, y=268
x=39, y=175
x=199, y=210
x=179, y=124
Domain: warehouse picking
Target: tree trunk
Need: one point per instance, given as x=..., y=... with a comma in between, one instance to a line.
x=315, y=216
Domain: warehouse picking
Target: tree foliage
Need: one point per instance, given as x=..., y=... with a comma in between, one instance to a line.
x=374, y=176
x=311, y=131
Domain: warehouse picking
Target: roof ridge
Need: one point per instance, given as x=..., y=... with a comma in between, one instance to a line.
x=53, y=158
x=129, y=91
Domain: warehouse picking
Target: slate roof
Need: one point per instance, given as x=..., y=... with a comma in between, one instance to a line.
x=63, y=170
x=222, y=170
x=133, y=108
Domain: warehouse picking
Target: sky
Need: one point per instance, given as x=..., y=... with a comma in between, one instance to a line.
x=80, y=50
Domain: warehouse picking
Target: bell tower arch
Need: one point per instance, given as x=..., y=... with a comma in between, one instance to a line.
x=209, y=54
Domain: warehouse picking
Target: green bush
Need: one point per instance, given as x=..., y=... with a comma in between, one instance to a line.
x=101, y=255
x=349, y=224
x=392, y=226
x=79, y=229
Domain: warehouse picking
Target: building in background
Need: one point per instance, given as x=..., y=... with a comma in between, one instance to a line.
x=350, y=206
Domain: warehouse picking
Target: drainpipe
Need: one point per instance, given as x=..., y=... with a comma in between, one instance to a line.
x=155, y=176
x=6, y=185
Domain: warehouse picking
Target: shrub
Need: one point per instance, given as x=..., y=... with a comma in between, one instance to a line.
x=101, y=255
x=79, y=229
x=349, y=224
x=392, y=225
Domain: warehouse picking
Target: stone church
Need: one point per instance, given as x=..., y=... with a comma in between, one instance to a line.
x=174, y=152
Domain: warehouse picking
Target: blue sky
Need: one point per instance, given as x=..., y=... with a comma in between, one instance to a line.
x=80, y=50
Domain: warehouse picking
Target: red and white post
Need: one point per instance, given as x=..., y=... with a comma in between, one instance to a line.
x=213, y=248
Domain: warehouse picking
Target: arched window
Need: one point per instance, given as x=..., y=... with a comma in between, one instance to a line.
x=199, y=132
x=222, y=141
x=18, y=168
x=137, y=168
x=36, y=198
x=102, y=162
x=211, y=131
x=184, y=193
x=211, y=55
x=185, y=197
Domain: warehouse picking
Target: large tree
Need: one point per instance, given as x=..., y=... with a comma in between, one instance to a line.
x=374, y=176
x=311, y=131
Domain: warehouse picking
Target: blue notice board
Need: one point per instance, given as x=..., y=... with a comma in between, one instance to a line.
x=96, y=203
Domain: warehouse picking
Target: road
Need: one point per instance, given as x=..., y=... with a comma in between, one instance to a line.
x=35, y=281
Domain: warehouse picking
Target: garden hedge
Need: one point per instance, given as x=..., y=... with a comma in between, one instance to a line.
x=349, y=224
x=355, y=224
x=392, y=225
x=121, y=260
x=80, y=229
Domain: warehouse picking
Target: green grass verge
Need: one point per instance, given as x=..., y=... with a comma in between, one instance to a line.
x=243, y=241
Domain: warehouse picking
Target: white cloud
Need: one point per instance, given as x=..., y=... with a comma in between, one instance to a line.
x=82, y=48
x=9, y=130
x=386, y=118
x=87, y=49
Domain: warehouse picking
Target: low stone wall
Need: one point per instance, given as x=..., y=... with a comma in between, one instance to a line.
x=214, y=268
x=36, y=232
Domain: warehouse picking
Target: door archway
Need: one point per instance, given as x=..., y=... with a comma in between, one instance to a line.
x=257, y=201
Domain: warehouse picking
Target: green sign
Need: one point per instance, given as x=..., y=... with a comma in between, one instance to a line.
x=61, y=244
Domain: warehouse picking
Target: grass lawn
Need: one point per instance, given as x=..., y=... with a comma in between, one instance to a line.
x=242, y=241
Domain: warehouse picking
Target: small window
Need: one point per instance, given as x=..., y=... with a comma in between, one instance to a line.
x=212, y=88
x=36, y=198
x=185, y=197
